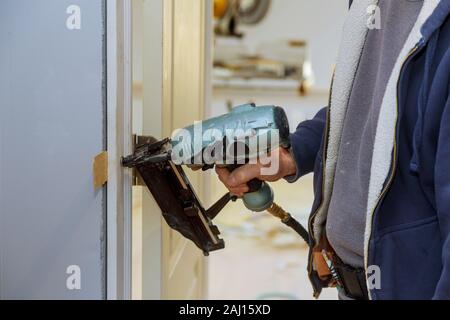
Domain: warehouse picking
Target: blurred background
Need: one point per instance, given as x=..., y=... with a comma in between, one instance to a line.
x=270, y=52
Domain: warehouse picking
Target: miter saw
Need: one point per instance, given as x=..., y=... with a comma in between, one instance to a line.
x=230, y=13
x=227, y=141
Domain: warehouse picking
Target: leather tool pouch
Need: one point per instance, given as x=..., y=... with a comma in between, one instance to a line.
x=334, y=273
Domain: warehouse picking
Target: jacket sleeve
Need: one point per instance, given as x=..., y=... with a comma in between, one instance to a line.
x=442, y=191
x=306, y=142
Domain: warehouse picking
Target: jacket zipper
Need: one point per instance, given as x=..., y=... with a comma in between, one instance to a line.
x=313, y=216
x=390, y=180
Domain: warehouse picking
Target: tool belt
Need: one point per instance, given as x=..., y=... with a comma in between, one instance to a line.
x=333, y=272
x=353, y=281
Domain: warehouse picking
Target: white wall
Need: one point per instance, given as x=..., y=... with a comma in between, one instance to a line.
x=319, y=22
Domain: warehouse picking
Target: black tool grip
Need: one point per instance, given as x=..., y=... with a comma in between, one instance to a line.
x=253, y=185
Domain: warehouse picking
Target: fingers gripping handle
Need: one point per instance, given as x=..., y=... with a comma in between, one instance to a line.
x=260, y=196
x=254, y=185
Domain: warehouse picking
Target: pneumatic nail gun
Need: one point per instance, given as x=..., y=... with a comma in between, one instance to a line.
x=232, y=140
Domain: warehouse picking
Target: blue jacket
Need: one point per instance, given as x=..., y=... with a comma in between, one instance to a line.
x=410, y=235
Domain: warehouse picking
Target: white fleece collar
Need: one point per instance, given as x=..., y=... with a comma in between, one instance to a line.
x=355, y=32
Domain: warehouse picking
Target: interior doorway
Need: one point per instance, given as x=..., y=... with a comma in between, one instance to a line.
x=171, y=42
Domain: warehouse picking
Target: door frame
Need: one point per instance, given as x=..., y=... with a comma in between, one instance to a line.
x=119, y=76
x=170, y=11
x=119, y=143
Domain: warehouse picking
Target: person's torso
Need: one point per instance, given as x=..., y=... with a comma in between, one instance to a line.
x=346, y=219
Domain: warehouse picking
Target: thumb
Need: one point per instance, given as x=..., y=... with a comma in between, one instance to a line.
x=244, y=174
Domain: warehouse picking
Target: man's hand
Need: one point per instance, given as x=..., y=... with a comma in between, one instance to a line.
x=237, y=181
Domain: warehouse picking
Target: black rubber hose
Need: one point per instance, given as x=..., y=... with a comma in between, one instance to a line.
x=297, y=227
